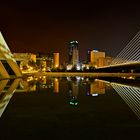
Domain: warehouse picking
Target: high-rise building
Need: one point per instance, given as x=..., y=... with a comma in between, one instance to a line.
x=96, y=58
x=75, y=57
x=73, y=53
x=108, y=61
x=55, y=60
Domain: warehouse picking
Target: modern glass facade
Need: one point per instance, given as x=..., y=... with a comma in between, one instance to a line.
x=73, y=53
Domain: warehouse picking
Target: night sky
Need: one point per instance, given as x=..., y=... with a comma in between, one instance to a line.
x=48, y=26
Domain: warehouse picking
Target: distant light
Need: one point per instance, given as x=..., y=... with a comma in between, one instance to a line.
x=72, y=42
x=73, y=103
x=56, y=79
x=78, y=67
x=95, y=50
x=56, y=65
x=44, y=77
x=82, y=78
x=95, y=95
x=78, y=77
x=131, y=77
x=87, y=67
x=30, y=78
x=69, y=67
x=44, y=69
x=68, y=78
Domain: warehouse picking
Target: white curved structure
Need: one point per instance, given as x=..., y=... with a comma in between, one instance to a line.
x=6, y=54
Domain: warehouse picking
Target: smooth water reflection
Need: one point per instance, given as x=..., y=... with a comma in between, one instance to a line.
x=72, y=86
x=131, y=95
x=69, y=108
x=7, y=94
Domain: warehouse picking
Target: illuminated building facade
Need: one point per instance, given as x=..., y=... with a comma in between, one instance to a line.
x=101, y=61
x=73, y=53
x=55, y=60
x=45, y=61
x=25, y=56
x=41, y=62
x=108, y=61
x=26, y=61
x=97, y=58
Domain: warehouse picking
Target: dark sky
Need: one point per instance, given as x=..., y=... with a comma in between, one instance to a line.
x=48, y=26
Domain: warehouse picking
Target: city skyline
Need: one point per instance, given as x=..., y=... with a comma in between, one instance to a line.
x=49, y=26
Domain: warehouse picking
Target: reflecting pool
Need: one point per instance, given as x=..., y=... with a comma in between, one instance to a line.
x=69, y=108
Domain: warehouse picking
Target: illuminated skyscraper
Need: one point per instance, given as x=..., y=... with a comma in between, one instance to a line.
x=55, y=60
x=97, y=58
x=73, y=53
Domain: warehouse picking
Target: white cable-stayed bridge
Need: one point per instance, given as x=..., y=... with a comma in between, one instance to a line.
x=131, y=53
x=129, y=56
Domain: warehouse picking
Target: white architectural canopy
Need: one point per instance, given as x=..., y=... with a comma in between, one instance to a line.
x=5, y=54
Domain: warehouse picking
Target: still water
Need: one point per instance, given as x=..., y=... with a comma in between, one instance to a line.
x=69, y=108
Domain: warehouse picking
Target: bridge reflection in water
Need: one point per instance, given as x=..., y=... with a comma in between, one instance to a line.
x=131, y=95
x=93, y=87
x=4, y=100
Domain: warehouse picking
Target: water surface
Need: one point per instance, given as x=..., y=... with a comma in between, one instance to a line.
x=69, y=108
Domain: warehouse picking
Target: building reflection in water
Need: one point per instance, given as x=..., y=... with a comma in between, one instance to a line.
x=28, y=84
x=6, y=94
x=56, y=85
x=97, y=87
x=73, y=90
x=34, y=83
x=131, y=95
x=94, y=87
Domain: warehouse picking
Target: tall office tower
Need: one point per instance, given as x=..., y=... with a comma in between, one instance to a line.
x=73, y=53
x=75, y=57
x=97, y=58
x=56, y=60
